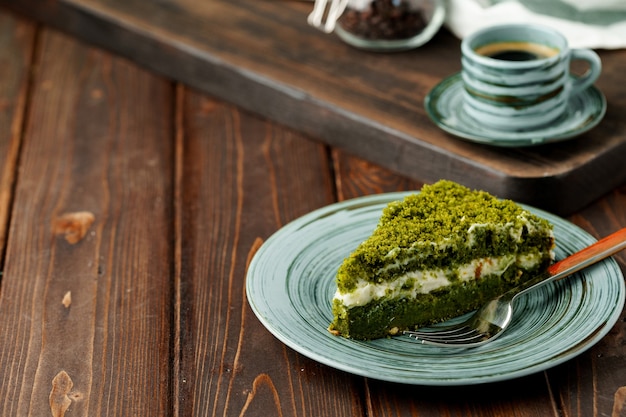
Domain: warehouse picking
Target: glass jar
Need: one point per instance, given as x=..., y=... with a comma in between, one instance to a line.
x=389, y=25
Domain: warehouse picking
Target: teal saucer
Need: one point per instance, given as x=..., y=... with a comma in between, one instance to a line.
x=444, y=105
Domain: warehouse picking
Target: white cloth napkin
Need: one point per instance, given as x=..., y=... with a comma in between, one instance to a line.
x=597, y=24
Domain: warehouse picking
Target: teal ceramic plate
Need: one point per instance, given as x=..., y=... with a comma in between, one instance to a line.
x=290, y=284
x=444, y=105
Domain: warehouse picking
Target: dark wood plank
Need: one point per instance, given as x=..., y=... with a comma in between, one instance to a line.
x=242, y=179
x=85, y=301
x=262, y=56
x=528, y=396
x=17, y=40
x=356, y=177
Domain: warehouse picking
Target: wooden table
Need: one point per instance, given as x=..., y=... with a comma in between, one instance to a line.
x=130, y=207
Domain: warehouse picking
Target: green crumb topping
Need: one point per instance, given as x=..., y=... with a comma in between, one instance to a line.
x=446, y=224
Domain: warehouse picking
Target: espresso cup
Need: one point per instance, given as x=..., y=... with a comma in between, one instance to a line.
x=517, y=76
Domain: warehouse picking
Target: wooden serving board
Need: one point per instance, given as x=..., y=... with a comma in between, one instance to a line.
x=261, y=55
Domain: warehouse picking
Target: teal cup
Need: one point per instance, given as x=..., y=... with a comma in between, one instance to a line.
x=517, y=77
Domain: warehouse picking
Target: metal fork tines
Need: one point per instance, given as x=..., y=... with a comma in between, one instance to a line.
x=458, y=336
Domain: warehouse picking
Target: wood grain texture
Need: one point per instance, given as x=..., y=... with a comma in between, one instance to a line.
x=87, y=319
x=356, y=177
x=243, y=178
x=262, y=56
x=528, y=396
x=17, y=40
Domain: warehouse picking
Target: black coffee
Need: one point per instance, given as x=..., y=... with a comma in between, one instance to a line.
x=516, y=51
x=515, y=56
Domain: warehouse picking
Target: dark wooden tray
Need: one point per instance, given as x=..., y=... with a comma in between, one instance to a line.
x=262, y=56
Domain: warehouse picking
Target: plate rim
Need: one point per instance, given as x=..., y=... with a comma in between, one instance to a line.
x=433, y=96
x=375, y=200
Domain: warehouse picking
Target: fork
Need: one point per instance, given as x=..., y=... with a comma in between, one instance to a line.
x=492, y=319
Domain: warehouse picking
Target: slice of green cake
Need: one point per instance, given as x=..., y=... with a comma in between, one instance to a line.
x=435, y=255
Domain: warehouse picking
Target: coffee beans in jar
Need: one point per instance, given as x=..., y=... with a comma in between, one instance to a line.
x=389, y=24
x=384, y=19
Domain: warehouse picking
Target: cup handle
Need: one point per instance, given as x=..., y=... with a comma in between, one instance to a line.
x=595, y=67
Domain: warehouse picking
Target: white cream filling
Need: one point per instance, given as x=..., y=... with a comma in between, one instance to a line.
x=423, y=282
x=516, y=233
